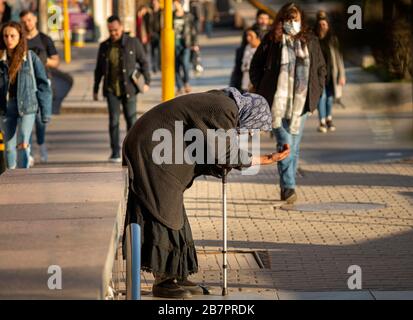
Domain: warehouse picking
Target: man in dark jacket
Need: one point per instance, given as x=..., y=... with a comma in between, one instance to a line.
x=118, y=59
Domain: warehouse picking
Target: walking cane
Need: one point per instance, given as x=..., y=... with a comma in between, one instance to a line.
x=224, y=226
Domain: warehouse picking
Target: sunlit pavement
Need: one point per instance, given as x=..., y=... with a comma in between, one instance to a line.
x=355, y=191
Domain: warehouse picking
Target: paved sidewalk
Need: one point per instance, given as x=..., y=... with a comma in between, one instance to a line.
x=347, y=214
x=355, y=198
x=312, y=251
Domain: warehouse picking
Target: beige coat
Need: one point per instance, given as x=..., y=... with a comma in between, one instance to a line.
x=338, y=69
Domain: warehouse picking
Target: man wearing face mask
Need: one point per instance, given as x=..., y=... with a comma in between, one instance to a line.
x=289, y=70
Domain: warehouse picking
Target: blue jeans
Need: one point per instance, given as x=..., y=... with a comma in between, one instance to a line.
x=287, y=168
x=17, y=132
x=209, y=25
x=40, y=131
x=156, y=54
x=325, y=106
x=182, y=64
x=129, y=112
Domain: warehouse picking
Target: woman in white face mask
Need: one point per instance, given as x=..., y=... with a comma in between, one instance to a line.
x=292, y=27
x=289, y=70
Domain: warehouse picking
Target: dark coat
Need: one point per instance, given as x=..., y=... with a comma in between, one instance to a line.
x=236, y=76
x=133, y=58
x=7, y=14
x=160, y=188
x=156, y=24
x=265, y=69
x=190, y=34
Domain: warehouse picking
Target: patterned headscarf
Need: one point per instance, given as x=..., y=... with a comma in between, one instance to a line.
x=254, y=111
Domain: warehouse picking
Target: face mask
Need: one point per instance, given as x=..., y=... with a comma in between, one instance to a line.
x=292, y=28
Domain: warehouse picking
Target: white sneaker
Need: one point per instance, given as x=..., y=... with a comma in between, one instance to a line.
x=322, y=128
x=31, y=162
x=199, y=68
x=43, y=153
x=114, y=158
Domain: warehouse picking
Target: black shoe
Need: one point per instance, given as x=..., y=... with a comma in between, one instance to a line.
x=288, y=195
x=331, y=127
x=193, y=288
x=169, y=289
x=115, y=158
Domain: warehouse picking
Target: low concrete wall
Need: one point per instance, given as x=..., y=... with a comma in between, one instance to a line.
x=66, y=217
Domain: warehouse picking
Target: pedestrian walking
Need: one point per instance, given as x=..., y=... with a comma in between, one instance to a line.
x=156, y=36
x=197, y=11
x=210, y=11
x=24, y=89
x=121, y=60
x=253, y=40
x=156, y=189
x=5, y=12
x=186, y=39
x=289, y=70
x=45, y=49
x=262, y=24
x=336, y=74
x=144, y=28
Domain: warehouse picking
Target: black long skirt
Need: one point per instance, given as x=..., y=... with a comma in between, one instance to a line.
x=165, y=252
